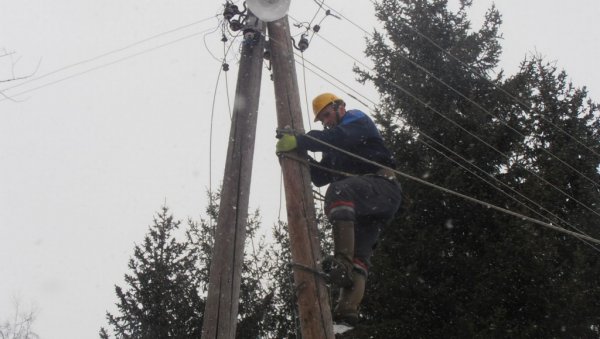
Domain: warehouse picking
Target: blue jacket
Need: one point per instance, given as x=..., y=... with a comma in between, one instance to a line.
x=356, y=133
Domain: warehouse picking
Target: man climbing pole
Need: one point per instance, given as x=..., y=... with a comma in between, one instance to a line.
x=361, y=197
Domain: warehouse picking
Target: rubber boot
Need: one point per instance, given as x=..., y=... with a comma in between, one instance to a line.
x=346, y=310
x=343, y=245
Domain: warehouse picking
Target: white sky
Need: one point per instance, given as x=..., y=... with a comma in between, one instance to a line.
x=86, y=162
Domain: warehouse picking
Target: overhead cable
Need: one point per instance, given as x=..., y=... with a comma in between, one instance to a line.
x=460, y=195
x=466, y=161
x=471, y=69
x=427, y=105
x=468, y=99
x=129, y=46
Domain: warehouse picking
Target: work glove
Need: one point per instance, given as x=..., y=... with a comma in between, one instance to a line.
x=286, y=143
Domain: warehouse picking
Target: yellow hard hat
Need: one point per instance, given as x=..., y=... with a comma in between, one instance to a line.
x=323, y=100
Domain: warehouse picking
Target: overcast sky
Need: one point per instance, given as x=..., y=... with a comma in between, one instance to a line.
x=114, y=122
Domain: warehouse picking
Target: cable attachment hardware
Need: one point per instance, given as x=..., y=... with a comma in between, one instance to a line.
x=235, y=25
x=316, y=272
x=230, y=11
x=302, y=44
x=267, y=55
x=234, y=16
x=328, y=12
x=252, y=29
x=267, y=52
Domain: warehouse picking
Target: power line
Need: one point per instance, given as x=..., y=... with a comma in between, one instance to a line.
x=210, y=138
x=496, y=187
x=212, y=113
x=106, y=65
x=111, y=52
x=468, y=99
x=222, y=24
x=306, y=93
x=317, y=12
x=503, y=184
x=513, y=97
x=427, y=105
x=308, y=108
x=460, y=195
x=338, y=80
x=473, y=71
x=224, y=64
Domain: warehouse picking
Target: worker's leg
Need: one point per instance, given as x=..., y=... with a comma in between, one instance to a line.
x=366, y=233
x=373, y=210
x=365, y=204
x=362, y=196
x=339, y=207
x=350, y=298
x=343, y=247
x=365, y=195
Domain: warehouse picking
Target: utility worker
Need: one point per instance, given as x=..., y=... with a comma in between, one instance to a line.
x=357, y=206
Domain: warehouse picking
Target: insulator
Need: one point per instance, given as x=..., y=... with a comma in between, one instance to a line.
x=224, y=38
x=328, y=12
x=235, y=25
x=317, y=28
x=303, y=44
x=230, y=11
x=225, y=66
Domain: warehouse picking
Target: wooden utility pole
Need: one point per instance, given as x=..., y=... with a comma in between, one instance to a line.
x=311, y=292
x=221, y=311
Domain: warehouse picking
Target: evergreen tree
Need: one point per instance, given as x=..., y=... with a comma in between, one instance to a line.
x=446, y=267
x=166, y=292
x=559, y=121
x=162, y=296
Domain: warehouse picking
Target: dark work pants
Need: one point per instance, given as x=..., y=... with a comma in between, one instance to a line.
x=370, y=201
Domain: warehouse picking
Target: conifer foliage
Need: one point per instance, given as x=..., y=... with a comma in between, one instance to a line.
x=162, y=298
x=447, y=267
x=165, y=291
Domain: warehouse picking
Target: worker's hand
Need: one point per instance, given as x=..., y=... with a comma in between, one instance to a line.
x=286, y=143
